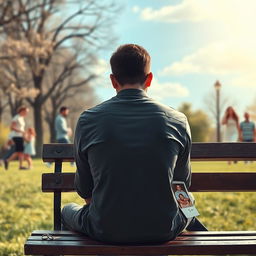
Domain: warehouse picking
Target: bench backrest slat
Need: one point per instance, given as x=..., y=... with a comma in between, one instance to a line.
x=54, y=152
x=201, y=182
x=200, y=152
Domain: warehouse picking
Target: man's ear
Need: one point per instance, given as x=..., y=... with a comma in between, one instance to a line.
x=148, y=79
x=113, y=81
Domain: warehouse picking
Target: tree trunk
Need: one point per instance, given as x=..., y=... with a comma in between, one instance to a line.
x=1, y=110
x=39, y=128
x=38, y=116
x=52, y=130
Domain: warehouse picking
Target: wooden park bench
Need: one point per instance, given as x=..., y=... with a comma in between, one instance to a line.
x=57, y=242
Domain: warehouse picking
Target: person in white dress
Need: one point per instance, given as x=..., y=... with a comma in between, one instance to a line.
x=230, y=122
x=29, y=149
x=231, y=128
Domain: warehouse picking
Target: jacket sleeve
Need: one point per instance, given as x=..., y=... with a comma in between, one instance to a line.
x=83, y=176
x=182, y=171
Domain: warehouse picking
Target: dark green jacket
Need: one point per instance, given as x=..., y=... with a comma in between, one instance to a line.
x=128, y=151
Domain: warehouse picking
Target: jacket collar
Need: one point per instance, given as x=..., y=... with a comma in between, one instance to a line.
x=131, y=93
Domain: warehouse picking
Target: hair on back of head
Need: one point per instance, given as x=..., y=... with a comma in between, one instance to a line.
x=21, y=108
x=63, y=108
x=130, y=64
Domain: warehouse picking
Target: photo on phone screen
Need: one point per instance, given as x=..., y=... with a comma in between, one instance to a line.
x=184, y=200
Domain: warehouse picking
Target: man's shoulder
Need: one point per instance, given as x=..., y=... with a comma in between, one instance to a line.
x=99, y=108
x=109, y=106
x=173, y=114
x=95, y=111
x=60, y=118
x=244, y=123
x=57, y=118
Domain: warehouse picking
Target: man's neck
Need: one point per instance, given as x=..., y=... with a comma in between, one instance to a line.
x=131, y=86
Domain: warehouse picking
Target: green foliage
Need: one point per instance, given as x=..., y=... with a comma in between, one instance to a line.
x=23, y=207
x=199, y=122
x=4, y=131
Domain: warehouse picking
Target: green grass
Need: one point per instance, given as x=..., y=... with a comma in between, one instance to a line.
x=23, y=207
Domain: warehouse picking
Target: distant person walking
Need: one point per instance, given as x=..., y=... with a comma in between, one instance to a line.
x=63, y=132
x=230, y=122
x=17, y=133
x=231, y=126
x=7, y=150
x=29, y=150
x=247, y=127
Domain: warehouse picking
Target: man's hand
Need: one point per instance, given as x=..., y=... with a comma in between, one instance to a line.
x=87, y=200
x=69, y=132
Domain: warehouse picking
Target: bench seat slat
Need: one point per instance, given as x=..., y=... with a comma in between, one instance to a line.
x=190, y=243
x=190, y=233
x=174, y=247
x=180, y=238
x=201, y=182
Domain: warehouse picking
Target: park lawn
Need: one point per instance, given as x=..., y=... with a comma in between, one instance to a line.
x=23, y=207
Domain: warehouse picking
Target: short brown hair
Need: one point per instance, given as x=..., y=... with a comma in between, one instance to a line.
x=130, y=64
x=63, y=108
x=21, y=108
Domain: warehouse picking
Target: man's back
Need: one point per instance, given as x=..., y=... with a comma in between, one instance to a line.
x=128, y=151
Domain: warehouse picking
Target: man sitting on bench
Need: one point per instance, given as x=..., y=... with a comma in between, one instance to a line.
x=128, y=150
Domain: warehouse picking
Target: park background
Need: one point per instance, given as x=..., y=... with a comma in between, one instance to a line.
x=56, y=52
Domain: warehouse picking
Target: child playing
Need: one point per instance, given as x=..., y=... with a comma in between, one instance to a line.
x=29, y=146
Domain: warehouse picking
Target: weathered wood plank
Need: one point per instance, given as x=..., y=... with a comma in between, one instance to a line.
x=179, y=238
x=223, y=151
x=200, y=152
x=172, y=247
x=55, y=151
x=190, y=233
x=201, y=182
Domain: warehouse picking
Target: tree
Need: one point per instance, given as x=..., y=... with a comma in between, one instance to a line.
x=7, y=13
x=14, y=87
x=65, y=71
x=41, y=31
x=199, y=122
x=210, y=102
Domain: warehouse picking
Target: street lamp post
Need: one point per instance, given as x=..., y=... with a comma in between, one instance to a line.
x=217, y=87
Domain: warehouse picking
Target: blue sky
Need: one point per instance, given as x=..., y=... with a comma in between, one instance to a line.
x=192, y=44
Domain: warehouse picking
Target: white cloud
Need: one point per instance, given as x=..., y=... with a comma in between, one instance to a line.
x=102, y=70
x=135, y=9
x=101, y=67
x=187, y=10
x=220, y=58
x=164, y=90
x=201, y=10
